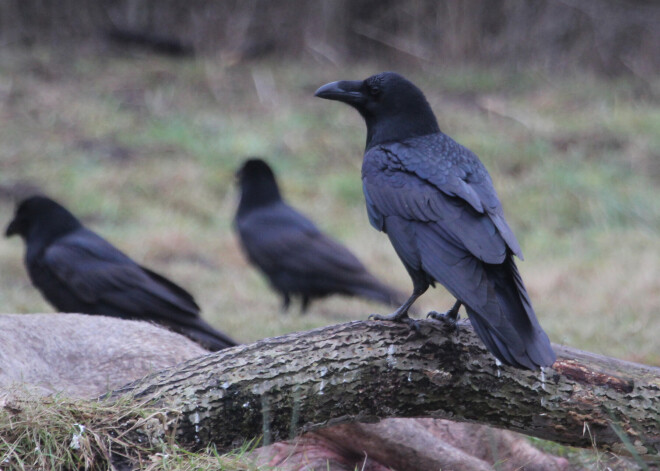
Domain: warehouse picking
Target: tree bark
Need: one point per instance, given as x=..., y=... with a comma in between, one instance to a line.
x=366, y=371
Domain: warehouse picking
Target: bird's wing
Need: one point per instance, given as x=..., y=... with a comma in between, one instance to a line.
x=177, y=290
x=97, y=273
x=442, y=182
x=278, y=238
x=413, y=200
x=440, y=232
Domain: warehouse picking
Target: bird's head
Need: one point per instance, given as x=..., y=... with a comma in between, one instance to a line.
x=392, y=106
x=42, y=218
x=254, y=169
x=257, y=183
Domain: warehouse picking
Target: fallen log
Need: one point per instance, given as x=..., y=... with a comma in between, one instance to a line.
x=366, y=371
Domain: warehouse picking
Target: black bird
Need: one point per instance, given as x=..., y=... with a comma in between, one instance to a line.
x=297, y=258
x=436, y=202
x=78, y=271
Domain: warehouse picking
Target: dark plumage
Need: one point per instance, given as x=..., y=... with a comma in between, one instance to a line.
x=78, y=271
x=436, y=202
x=297, y=258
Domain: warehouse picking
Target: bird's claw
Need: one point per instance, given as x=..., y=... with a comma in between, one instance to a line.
x=447, y=318
x=412, y=323
x=396, y=317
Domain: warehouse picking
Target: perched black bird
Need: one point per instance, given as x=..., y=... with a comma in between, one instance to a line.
x=297, y=258
x=78, y=271
x=436, y=202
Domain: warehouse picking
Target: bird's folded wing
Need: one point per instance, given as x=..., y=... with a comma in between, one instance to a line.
x=406, y=196
x=97, y=273
x=447, y=167
x=279, y=245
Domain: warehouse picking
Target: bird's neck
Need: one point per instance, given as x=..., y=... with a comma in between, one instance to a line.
x=380, y=131
x=258, y=194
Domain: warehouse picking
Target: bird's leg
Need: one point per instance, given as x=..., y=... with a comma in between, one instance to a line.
x=286, y=301
x=450, y=317
x=401, y=314
x=304, y=305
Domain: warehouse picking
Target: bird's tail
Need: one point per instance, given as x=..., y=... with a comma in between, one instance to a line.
x=517, y=338
x=205, y=335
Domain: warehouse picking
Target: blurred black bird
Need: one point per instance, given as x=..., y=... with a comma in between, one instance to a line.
x=436, y=202
x=78, y=271
x=297, y=258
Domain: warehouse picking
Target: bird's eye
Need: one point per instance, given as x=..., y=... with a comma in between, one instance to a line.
x=374, y=90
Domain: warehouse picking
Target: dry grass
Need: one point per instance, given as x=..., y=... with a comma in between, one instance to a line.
x=144, y=149
x=60, y=434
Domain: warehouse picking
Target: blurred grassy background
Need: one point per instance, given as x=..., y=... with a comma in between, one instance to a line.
x=144, y=148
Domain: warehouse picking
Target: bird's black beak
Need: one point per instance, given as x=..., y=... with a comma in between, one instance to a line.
x=12, y=229
x=346, y=91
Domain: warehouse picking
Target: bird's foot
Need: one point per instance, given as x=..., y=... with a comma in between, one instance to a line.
x=397, y=316
x=449, y=318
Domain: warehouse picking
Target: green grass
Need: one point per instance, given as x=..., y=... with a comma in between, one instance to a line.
x=144, y=149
